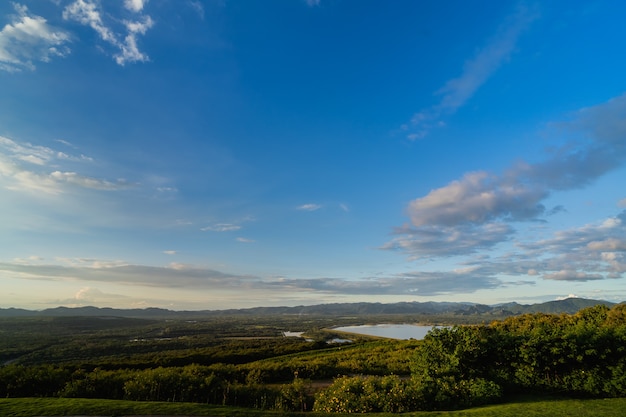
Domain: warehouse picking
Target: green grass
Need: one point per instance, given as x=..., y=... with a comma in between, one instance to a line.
x=31, y=407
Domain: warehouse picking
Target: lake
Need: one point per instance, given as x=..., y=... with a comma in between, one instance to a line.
x=392, y=331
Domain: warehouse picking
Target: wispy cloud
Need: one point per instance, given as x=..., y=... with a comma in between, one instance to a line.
x=245, y=240
x=313, y=3
x=476, y=71
x=309, y=207
x=88, y=13
x=221, y=227
x=30, y=38
x=27, y=167
x=174, y=275
x=197, y=7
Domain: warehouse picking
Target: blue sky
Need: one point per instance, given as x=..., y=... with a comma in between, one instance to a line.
x=216, y=154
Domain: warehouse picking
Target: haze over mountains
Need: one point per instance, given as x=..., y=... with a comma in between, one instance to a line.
x=568, y=305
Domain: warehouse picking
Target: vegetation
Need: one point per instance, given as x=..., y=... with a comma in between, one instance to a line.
x=31, y=407
x=246, y=362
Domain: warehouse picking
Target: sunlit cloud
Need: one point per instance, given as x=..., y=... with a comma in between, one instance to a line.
x=569, y=275
x=476, y=211
x=25, y=167
x=29, y=38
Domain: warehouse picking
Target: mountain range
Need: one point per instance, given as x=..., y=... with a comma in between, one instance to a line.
x=568, y=305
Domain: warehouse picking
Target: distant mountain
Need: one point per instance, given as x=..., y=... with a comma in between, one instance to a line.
x=569, y=305
x=16, y=312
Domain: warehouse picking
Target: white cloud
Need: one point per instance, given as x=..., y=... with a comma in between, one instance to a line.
x=568, y=296
x=475, y=212
x=170, y=252
x=30, y=38
x=589, y=250
x=87, y=294
x=221, y=227
x=309, y=207
x=66, y=143
x=27, y=152
x=88, y=13
x=135, y=5
x=244, y=240
x=28, y=167
x=476, y=71
x=130, y=51
x=87, y=182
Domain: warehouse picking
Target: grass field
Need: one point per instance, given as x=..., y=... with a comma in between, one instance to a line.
x=35, y=407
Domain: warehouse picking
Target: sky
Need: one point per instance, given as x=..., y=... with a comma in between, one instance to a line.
x=205, y=155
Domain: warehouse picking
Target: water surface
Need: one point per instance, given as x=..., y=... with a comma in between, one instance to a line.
x=392, y=331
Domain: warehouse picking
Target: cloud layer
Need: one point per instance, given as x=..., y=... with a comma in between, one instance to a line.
x=478, y=211
x=180, y=276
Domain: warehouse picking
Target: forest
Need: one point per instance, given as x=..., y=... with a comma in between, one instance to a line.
x=248, y=362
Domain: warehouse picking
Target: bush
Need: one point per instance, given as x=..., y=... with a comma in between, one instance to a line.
x=366, y=394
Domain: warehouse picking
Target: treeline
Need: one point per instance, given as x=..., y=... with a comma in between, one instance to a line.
x=580, y=355
x=193, y=383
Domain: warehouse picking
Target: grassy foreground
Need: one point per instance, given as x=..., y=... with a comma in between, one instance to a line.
x=31, y=407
